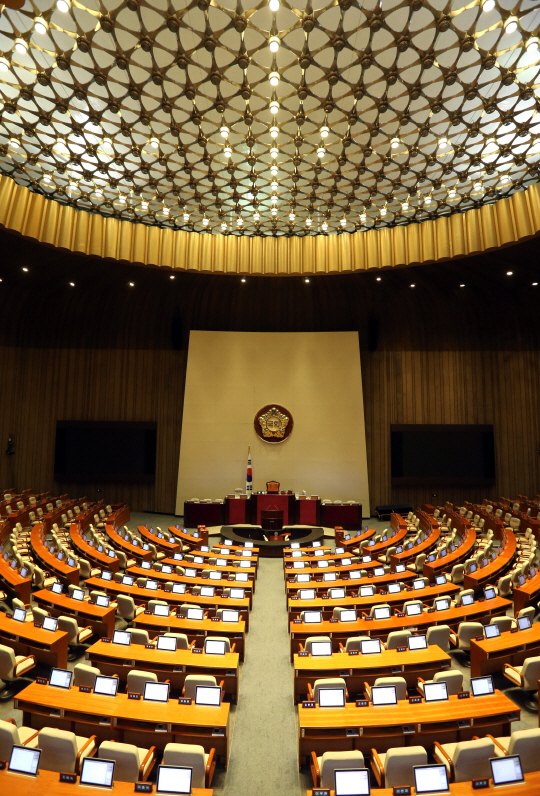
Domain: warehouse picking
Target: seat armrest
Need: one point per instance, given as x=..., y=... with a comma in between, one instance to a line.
x=509, y=666
x=497, y=743
x=310, y=691
x=446, y=756
x=453, y=638
x=341, y=647
x=92, y=741
x=300, y=647
x=20, y=663
x=151, y=753
x=210, y=766
x=367, y=689
x=12, y=721
x=139, y=609
x=315, y=772
x=377, y=768
x=233, y=647
x=31, y=738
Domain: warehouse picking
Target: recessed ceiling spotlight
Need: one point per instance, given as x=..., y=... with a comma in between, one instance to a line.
x=131, y=284
x=63, y=6
x=25, y=270
x=274, y=78
x=227, y=151
x=509, y=273
x=462, y=285
x=412, y=285
x=306, y=281
x=273, y=43
x=534, y=284
x=378, y=279
x=21, y=46
x=511, y=25
x=40, y=26
x=324, y=131
x=324, y=226
x=72, y=284
x=171, y=276
x=488, y=5
x=273, y=5
x=242, y=280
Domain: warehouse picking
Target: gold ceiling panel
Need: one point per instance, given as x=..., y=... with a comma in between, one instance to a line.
x=234, y=118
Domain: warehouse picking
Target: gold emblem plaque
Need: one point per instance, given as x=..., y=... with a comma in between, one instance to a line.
x=273, y=423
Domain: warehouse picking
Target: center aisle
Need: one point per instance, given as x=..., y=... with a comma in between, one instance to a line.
x=263, y=756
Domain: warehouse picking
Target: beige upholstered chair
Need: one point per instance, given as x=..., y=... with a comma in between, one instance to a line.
x=352, y=643
x=439, y=635
x=525, y=743
x=465, y=760
x=461, y=595
x=326, y=682
x=194, y=757
x=220, y=638
x=127, y=609
x=11, y=735
x=399, y=682
x=76, y=635
x=526, y=677
x=64, y=751
x=132, y=763
x=85, y=675
x=152, y=603
x=457, y=574
x=139, y=636
x=504, y=623
x=466, y=632
x=12, y=667
x=41, y=580
x=452, y=677
x=182, y=642
x=193, y=680
x=137, y=679
x=323, y=768
x=397, y=638
x=395, y=767
x=373, y=607
x=86, y=570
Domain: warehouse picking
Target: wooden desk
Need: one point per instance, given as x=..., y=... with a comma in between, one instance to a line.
x=125, y=720
x=173, y=666
x=356, y=538
x=431, y=570
x=327, y=605
x=101, y=620
x=191, y=541
x=382, y=727
x=490, y=655
x=322, y=586
x=251, y=571
x=91, y=553
x=237, y=557
x=142, y=596
x=25, y=639
x=408, y=555
x=46, y=784
x=161, y=544
x=392, y=541
x=288, y=551
x=65, y=574
x=526, y=594
x=311, y=557
x=530, y=787
x=12, y=582
x=172, y=577
x=194, y=630
x=131, y=550
x=340, y=631
x=360, y=669
x=254, y=550
x=495, y=569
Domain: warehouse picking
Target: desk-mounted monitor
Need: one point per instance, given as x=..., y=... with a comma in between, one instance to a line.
x=50, y=623
x=156, y=692
x=295, y=545
x=60, y=678
x=337, y=594
x=195, y=613
x=442, y=604
x=378, y=572
x=24, y=761
x=492, y=631
x=127, y=580
x=417, y=642
x=354, y=574
x=102, y=600
x=321, y=649
x=57, y=588
x=208, y=591
x=338, y=550
x=166, y=569
x=296, y=554
x=383, y=695
x=303, y=578
x=394, y=588
x=77, y=594
x=179, y=588
x=312, y=617
x=213, y=575
x=400, y=568
x=241, y=577
x=418, y=584
x=121, y=637
x=106, y=575
x=367, y=591
x=351, y=782
x=198, y=559
x=366, y=559
x=506, y=770
x=440, y=580
x=524, y=622
x=107, y=686
x=319, y=553
x=370, y=647
x=382, y=612
x=166, y=643
x=435, y=692
x=146, y=565
x=347, y=616
x=19, y=615
x=413, y=609
x=482, y=686
x=215, y=646
x=247, y=564
x=467, y=599
x=431, y=779
x=328, y=576
x=299, y=565
x=227, y=615
x=152, y=585
x=189, y=572
x=322, y=564
x=161, y=610
x=208, y=695
x=331, y=697
x=174, y=780
x=306, y=594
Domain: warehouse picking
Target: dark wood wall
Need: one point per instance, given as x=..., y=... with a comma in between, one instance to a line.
x=103, y=350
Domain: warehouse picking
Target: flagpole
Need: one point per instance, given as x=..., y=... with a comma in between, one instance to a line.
x=249, y=475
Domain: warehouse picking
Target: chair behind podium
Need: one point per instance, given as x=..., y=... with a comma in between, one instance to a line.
x=272, y=486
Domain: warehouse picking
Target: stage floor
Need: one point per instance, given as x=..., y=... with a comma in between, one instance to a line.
x=304, y=534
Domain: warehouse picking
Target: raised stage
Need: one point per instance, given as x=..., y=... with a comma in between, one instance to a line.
x=268, y=549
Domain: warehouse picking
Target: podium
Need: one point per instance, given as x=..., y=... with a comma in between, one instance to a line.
x=271, y=520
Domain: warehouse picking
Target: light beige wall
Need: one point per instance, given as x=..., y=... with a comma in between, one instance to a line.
x=315, y=375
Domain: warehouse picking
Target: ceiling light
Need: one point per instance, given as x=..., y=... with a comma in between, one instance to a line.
x=324, y=131
x=451, y=193
x=362, y=218
x=383, y=211
x=25, y=270
x=324, y=226
x=227, y=151
x=132, y=284
x=224, y=131
x=122, y=199
x=166, y=211
x=488, y=5
x=477, y=186
x=242, y=280
x=394, y=143
x=443, y=142
x=4, y=65
x=534, y=284
x=274, y=78
x=274, y=131
x=321, y=152
x=154, y=143
x=509, y=273
x=511, y=25
x=274, y=152
x=14, y=143
x=239, y=221
x=292, y=216
x=99, y=192
x=144, y=205
x=72, y=284
x=273, y=5
x=171, y=276
x=63, y=6
x=462, y=285
x=274, y=199
x=378, y=279
x=186, y=217
x=306, y=281
x=343, y=222
x=274, y=185
x=427, y=200
x=405, y=206
x=40, y=26
x=532, y=45
x=505, y=178
x=274, y=170
x=224, y=226
x=274, y=107
x=273, y=43
x=21, y=46
x=308, y=222
x=46, y=178
x=412, y=285
x=256, y=216
x=274, y=211
x=205, y=222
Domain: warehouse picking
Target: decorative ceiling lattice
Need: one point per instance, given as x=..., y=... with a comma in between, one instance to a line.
x=271, y=118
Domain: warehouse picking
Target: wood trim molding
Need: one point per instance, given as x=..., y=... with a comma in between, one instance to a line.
x=492, y=226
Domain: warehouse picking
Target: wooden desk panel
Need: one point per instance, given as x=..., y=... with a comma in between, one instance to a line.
x=251, y=571
x=163, y=545
x=458, y=556
x=354, y=541
x=101, y=620
x=229, y=557
x=66, y=574
x=172, y=577
x=360, y=669
x=309, y=559
x=125, y=720
x=424, y=547
x=46, y=784
x=88, y=551
x=490, y=655
x=382, y=727
x=191, y=541
x=25, y=639
x=530, y=787
x=131, y=550
x=12, y=582
x=114, y=659
x=526, y=594
x=195, y=631
x=322, y=586
x=495, y=569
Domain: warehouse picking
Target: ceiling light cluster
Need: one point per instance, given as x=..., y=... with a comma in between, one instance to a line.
x=372, y=114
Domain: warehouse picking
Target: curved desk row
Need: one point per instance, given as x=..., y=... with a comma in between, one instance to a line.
x=90, y=552
x=490, y=655
x=65, y=574
x=494, y=569
x=460, y=554
x=87, y=614
x=251, y=571
x=350, y=584
x=162, y=544
x=193, y=629
x=424, y=547
x=172, y=577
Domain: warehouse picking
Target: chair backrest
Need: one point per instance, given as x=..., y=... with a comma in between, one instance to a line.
x=126, y=757
x=332, y=760
x=504, y=623
x=531, y=673
x=139, y=636
x=189, y=755
x=85, y=675
x=471, y=759
x=220, y=638
x=182, y=642
x=7, y=663
x=399, y=682
x=419, y=563
x=529, y=611
x=453, y=679
x=69, y=626
x=126, y=606
x=58, y=749
x=526, y=744
x=467, y=631
x=137, y=678
x=9, y=736
x=39, y=614
x=352, y=643
x=272, y=486
x=439, y=635
x=193, y=680
x=462, y=593
x=398, y=638
x=398, y=765
x=373, y=607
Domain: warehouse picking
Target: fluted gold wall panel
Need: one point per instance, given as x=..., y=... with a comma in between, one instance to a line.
x=488, y=227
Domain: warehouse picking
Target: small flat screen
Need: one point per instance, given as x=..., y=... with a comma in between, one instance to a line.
x=298, y=565
x=303, y=578
x=127, y=580
x=322, y=564
x=417, y=642
x=381, y=613
x=378, y=572
x=161, y=610
x=78, y=594
x=208, y=591
x=366, y=559
x=174, y=779
x=60, y=678
x=247, y=564
x=432, y=557
x=24, y=761
x=347, y=616
x=249, y=544
x=166, y=569
x=489, y=594
x=152, y=585
x=215, y=647
x=221, y=562
x=472, y=567
x=213, y=575
x=106, y=685
x=296, y=554
x=198, y=560
x=329, y=576
x=19, y=614
x=367, y=591
x=418, y=584
x=208, y=695
x=190, y=572
x=312, y=617
x=227, y=541
x=106, y=576
x=146, y=565
x=100, y=548
x=338, y=550
x=306, y=594
x=492, y=631
x=413, y=610
x=371, y=647
x=440, y=580
x=345, y=562
x=102, y=600
x=71, y=562
x=524, y=623
x=384, y=695
x=430, y=779
x=167, y=643
x=467, y=599
x=400, y=568
x=241, y=577
x=230, y=616
x=238, y=594
x=178, y=556
x=121, y=637
x=179, y=588
x=316, y=544
x=337, y=594
x=156, y=692
x=442, y=605
x=57, y=588
x=482, y=686
x=195, y=613
x=394, y=588
x=352, y=782
x=331, y=697
x=97, y=772
x=320, y=649
x=50, y=623
x=435, y=692
x=506, y=770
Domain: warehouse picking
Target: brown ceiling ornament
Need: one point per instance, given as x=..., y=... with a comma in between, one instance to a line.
x=273, y=423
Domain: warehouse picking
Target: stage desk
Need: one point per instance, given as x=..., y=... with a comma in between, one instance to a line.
x=162, y=544
x=322, y=585
x=385, y=727
x=526, y=594
x=380, y=628
x=25, y=639
x=89, y=552
x=87, y=614
x=530, y=787
x=359, y=669
x=490, y=655
x=46, y=784
x=194, y=630
x=172, y=577
x=271, y=501
x=114, y=659
x=125, y=720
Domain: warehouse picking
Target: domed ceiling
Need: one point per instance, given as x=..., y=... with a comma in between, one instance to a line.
x=271, y=118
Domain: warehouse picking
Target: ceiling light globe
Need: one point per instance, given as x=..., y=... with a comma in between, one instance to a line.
x=511, y=25
x=165, y=211
x=144, y=205
x=274, y=131
x=205, y=222
x=40, y=26
x=239, y=221
x=224, y=226
x=227, y=151
x=405, y=206
x=427, y=200
x=274, y=107
x=321, y=152
x=451, y=193
x=122, y=200
x=274, y=152
x=224, y=131
x=343, y=222
x=292, y=216
x=488, y=5
x=308, y=222
x=274, y=78
x=274, y=185
x=63, y=6
x=273, y=43
x=273, y=5
x=21, y=46
x=533, y=45
x=324, y=131
x=274, y=211
x=256, y=216
x=274, y=171
x=154, y=143
x=4, y=65
x=477, y=186
x=383, y=211
x=46, y=178
x=14, y=143
x=443, y=142
x=324, y=226
x=99, y=192
x=274, y=199
x=394, y=143
x=363, y=218
x=186, y=217
x=505, y=178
